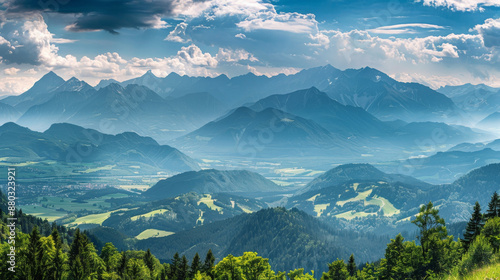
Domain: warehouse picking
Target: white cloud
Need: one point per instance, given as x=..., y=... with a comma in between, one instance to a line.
x=11, y=71
x=462, y=5
x=228, y=55
x=270, y=20
x=490, y=31
x=408, y=28
x=240, y=35
x=178, y=34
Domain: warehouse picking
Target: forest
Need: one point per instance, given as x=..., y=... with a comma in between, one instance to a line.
x=45, y=251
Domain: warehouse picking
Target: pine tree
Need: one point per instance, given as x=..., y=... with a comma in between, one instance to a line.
x=35, y=255
x=122, y=267
x=351, y=265
x=183, y=272
x=195, y=265
x=389, y=265
x=149, y=261
x=473, y=227
x=175, y=267
x=58, y=261
x=493, y=207
x=76, y=261
x=208, y=265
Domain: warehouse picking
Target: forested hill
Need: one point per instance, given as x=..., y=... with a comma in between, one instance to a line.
x=289, y=238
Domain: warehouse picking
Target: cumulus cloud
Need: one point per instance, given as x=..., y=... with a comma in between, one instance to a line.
x=178, y=34
x=229, y=55
x=240, y=35
x=26, y=42
x=11, y=71
x=462, y=5
x=490, y=31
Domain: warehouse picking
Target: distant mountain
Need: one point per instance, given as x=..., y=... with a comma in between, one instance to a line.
x=440, y=133
x=266, y=133
x=182, y=212
x=8, y=113
x=474, y=147
x=479, y=100
x=359, y=172
x=388, y=99
x=105, y=83
x=126, y=147
x=63, y=143
x=491, y=122
x=211, y=182
x=40, y=92
x=445, y=167
x=367, y=88
x=317, y=106
x=116, y=109
x=63, y=104
x=274, y=233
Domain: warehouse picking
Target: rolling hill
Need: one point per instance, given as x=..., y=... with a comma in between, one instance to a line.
x=211, y=182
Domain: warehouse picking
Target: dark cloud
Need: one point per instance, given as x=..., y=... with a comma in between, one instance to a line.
x=108, y=15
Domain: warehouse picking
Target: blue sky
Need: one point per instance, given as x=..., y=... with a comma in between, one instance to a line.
x=435, y=42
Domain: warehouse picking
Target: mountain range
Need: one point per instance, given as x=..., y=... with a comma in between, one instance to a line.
x=367, y=88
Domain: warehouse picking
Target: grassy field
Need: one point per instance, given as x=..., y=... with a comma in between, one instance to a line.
x=207, y=200
x=65, y=205
x=94, y=218
x=106, y=167
x=319, y=208
x=387, y=207
x=149, y=214
x=489, y=272
x=151, y=233
x=246, y=210
x=43, y=212
x=360, y=196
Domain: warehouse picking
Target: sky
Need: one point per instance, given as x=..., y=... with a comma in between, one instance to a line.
x=434, y=42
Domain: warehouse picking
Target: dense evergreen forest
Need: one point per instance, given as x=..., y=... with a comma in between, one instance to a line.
x=45, y=251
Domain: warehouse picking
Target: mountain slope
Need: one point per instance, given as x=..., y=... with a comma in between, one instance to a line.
x=210, y=182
